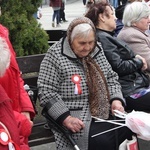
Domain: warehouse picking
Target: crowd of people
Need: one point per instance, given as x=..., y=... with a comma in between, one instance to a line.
x=130, y=67
x=92, y=71
x=88, y=73
x=68, y=72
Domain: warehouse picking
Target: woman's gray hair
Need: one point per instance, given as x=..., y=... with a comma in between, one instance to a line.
x=81, y=30
x=134, y=12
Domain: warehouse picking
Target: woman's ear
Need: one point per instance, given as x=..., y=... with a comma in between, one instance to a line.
x=133, y=24
x=101, y=18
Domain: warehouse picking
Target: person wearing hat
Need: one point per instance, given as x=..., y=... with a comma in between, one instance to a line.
x=75, y=83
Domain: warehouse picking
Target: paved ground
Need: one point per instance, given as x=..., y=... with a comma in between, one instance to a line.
x=72, y=10
x=50, y=146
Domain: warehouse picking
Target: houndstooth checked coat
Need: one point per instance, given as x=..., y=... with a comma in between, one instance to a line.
x=56, y=87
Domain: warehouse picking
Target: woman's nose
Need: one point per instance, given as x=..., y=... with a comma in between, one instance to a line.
x=87, y=47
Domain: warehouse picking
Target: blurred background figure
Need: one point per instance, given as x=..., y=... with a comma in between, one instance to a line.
x=56, y=5
x=84, y=2
x=119, y=14
x=114, y=3
x=38, y=14
x=62, y=12
x=89, y=4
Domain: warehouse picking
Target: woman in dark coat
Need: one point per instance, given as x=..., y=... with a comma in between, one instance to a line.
x=135, y=84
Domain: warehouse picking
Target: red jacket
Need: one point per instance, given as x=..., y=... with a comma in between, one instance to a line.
x=13, y=85
x=55, y=3
x=12, y=81
x=8, y=119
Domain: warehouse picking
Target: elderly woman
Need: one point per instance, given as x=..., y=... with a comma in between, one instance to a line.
x=136, y=22
x=75, y=83
x=135, y=84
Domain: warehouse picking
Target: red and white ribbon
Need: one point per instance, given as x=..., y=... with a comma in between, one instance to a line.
x=76, y=79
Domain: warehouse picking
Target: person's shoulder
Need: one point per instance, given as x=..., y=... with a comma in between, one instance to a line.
x=56, y=47
x=131, y=31
x=102, y=34
x=125, y=31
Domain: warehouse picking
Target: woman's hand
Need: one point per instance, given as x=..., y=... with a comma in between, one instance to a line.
x=144, y=67
x=117, y=105
x=27, y=114
x=73, y=124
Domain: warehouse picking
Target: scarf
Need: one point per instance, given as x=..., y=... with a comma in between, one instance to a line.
x=98, y=89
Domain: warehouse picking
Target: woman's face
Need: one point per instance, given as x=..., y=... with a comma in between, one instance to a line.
x=109, y=19
x=82, y=46
x=143, y=24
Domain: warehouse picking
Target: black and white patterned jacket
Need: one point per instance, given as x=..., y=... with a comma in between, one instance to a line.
x=56, y=87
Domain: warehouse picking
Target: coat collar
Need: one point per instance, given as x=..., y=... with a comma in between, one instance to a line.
x=109, y=32
x=67, y=51
x=135, y=28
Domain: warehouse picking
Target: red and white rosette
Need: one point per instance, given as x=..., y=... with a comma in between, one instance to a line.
x=76, y=79
x=5, y=138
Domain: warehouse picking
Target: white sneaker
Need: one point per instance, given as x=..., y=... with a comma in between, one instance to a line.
x=58, y=25
x=53, y=24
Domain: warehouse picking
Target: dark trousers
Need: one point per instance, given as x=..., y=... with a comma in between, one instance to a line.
x=62, y=13
x=84, y=2
x=140, y=104
x=107, y=141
